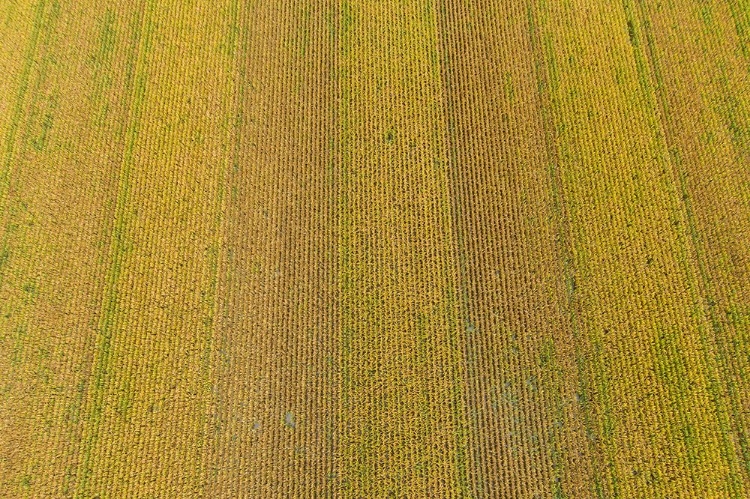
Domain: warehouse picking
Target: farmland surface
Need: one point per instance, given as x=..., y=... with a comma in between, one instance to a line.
x=365, y=249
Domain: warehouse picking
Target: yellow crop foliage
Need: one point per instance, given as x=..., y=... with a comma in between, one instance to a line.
x=359, y=248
